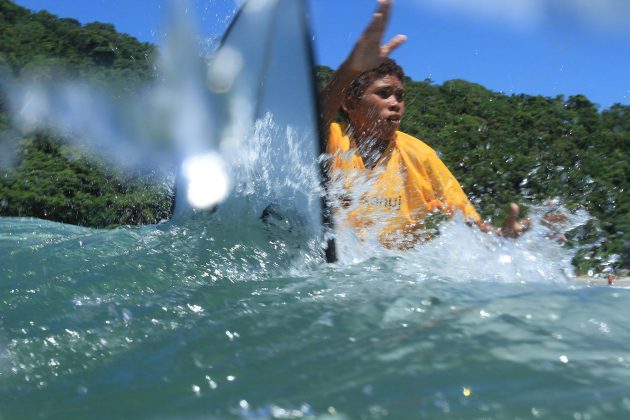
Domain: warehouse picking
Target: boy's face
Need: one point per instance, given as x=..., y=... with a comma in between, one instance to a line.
x=379, y=111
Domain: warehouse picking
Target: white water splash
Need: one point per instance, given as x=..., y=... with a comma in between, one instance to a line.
x=464, y=254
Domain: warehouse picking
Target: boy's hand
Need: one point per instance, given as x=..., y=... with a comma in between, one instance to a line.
x=513, y=226
x=368, y=52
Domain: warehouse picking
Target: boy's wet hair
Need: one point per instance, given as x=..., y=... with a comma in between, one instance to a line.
x=388, y=67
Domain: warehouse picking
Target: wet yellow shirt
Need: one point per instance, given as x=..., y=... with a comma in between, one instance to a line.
x=408, y=189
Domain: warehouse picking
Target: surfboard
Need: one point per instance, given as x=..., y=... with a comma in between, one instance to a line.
x=263, y=97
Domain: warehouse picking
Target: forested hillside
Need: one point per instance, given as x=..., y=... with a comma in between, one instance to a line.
x=41, y=46
x=51, y=179
x=502, y=148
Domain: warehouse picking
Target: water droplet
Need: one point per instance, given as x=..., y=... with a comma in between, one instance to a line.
x=74, y=334
x=194, y=308
x=224, y=69
x=126, y=314
x=505, y=259
x=232, y=335
x=211, y=383
x=51, y=340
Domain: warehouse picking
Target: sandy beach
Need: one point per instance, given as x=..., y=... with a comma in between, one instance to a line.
x=603, y=281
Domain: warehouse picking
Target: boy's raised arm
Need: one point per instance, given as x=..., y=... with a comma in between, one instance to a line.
x=366, y=54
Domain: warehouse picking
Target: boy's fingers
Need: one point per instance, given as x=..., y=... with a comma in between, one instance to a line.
x=384, y=8
x=394, y=43
x=376, y=26
x=379, y=18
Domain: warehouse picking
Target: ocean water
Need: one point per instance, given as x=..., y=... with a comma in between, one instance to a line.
x=206, y=319
x=212, y=317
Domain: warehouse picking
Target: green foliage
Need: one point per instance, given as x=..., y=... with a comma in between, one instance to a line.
x=40, y=46
x=52, y=180
x=528, y=149
x=58, y=182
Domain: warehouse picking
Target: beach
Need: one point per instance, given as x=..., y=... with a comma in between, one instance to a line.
x=623, y=281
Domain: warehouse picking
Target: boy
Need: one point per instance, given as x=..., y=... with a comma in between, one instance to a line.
x=407, y=187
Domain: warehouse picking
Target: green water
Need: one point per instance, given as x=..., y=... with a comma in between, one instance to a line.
x=200, y=321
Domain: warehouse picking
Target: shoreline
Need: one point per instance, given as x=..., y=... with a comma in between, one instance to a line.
x=603, y=281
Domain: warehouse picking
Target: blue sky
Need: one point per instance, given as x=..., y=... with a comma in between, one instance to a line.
x=538, y=47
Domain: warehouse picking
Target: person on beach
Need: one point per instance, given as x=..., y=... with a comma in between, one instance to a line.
x=401, y=187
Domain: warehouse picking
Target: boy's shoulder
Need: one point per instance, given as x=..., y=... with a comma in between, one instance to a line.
x=414, y=147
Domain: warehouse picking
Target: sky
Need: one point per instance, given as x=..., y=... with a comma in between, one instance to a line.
x=535, y=47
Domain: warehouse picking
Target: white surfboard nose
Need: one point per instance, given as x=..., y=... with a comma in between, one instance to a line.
x=262, y=95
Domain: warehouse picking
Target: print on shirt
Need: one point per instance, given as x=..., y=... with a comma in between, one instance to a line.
x=384, y=202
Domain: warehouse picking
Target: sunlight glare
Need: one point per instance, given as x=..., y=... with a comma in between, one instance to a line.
x=208, y=181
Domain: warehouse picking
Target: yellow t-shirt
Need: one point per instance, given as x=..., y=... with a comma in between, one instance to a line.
x=408, y=191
